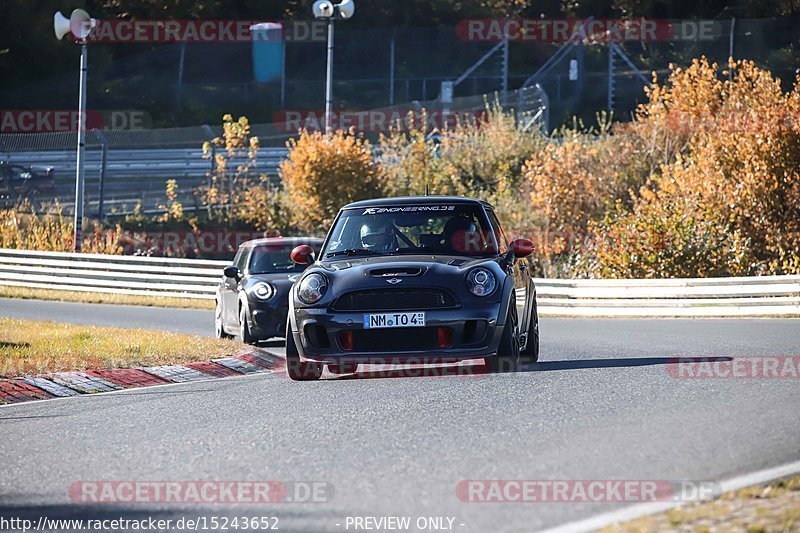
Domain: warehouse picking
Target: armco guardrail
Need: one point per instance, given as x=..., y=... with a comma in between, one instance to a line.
x=141, y=165
x=191, y=278
x=118, y=274
x=135, y=176
x=745, y=296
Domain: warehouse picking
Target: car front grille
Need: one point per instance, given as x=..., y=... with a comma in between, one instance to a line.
x=395, y=300
x=390, y=340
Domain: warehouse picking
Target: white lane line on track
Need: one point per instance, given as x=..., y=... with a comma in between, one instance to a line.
x=636, y=511
x=137, y=389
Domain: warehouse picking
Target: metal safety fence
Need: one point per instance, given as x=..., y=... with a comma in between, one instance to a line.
x=117, y=274
x=126, y=170
x=189, y=278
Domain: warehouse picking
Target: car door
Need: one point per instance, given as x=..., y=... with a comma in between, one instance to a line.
x=519, y=274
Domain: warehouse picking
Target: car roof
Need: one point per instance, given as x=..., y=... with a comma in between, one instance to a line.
x=417, y=200
x=286, y=241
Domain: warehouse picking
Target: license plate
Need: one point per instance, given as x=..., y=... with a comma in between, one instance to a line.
x=394, y=320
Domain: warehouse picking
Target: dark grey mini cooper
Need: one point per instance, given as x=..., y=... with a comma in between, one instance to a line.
x=422, y=279
x=253, y=294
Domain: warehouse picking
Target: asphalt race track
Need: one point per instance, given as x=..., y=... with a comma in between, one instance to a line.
x=601, y=405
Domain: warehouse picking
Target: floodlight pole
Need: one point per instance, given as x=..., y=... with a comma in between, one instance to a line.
x=329, y=81
x=330, y=11
x=79, y=174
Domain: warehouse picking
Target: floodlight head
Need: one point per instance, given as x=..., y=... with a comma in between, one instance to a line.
x=323, y=9
x=81, y=24
x=60, y=25
x=346, y=8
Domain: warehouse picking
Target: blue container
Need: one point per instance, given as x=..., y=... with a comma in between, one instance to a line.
x=268, y=53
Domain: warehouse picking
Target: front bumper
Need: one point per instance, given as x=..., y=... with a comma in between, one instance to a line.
x=474, y=329
x=267, y=320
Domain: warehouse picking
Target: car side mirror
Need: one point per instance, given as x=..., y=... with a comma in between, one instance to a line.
x=232, y=272
x=303, y=255
x=522, y=247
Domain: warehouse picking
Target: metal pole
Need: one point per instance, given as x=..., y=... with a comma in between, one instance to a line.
x=505, y=68
x=579, y=85
x=179, y=88
x=730, y=47
x=283, y=74
x=329, y=81
x=103, y=166
x=78, y=223
x=610, y=96
x=101, y=192
x=391, y=67
x=211, y=136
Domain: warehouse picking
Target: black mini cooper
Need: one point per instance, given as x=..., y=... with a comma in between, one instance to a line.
x=253, y=295
x=418, y=279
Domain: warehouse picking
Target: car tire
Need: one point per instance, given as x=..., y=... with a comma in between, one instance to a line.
x=219, y=329
x=296, y=369
x=244, y=328
x=343, y=369
x=531, y=352
x=507, y=358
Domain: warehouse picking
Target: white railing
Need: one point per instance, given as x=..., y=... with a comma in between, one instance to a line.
x=191, y=278
x=119, y=274
x=746, y=296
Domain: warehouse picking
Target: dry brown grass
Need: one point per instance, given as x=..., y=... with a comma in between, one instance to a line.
x=26, y=293
x=30, y=347
x=763, y=508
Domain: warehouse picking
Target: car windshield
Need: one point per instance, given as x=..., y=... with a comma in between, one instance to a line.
x=273, y=260
x=457, y=229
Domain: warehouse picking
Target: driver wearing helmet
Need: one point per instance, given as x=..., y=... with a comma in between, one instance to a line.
x=378, y=238
x=460, y=235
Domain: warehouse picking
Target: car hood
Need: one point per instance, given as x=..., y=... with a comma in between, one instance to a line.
x=414, y=271
x=281, y=282
x=288, y=277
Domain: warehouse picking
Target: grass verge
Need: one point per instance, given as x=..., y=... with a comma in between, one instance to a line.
x=760, y=509
x=29, y=347
x=26, y=293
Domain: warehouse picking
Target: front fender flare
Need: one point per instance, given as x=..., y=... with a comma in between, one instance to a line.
x=507, y=299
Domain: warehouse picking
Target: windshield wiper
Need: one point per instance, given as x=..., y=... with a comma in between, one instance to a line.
x=353, y=251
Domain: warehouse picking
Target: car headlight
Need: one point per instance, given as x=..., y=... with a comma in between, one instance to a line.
x=481, y=281
x=263, y=291
x=312, y=288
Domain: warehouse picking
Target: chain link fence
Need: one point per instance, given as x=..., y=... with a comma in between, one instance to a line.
x=384, y=73
x=195, y=83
